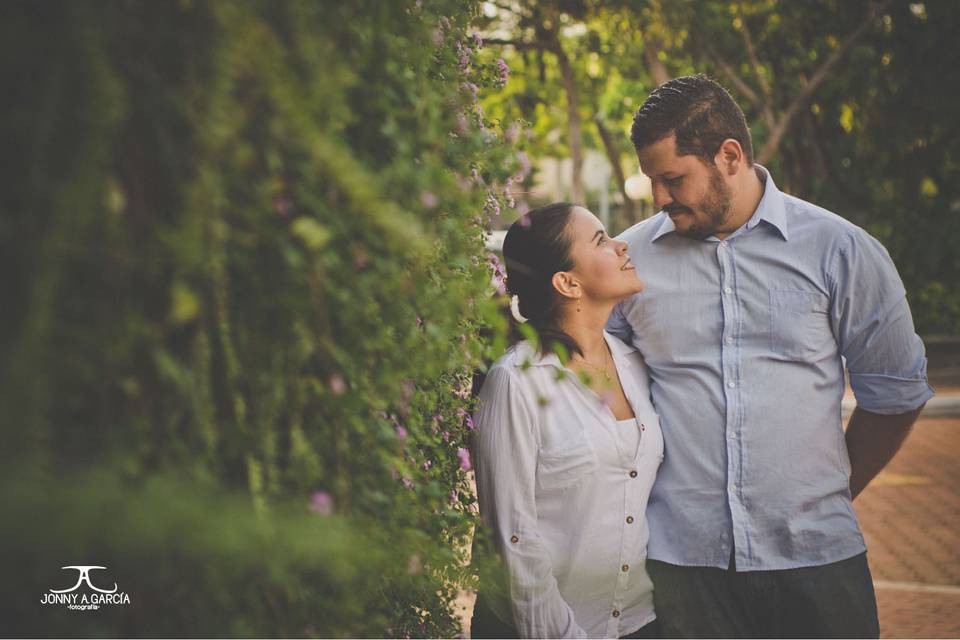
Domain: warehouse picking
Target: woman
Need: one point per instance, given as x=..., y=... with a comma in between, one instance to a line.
x=566, y=454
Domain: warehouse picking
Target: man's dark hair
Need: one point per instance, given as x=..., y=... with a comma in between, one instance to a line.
x=536, y=247
x=698, y=111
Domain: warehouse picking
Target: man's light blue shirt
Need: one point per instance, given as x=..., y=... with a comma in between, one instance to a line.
x=743, y=339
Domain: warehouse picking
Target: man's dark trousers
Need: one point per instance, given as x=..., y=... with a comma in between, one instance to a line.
x=829, y=601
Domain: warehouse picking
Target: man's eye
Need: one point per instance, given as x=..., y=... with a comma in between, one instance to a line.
x=673, y=181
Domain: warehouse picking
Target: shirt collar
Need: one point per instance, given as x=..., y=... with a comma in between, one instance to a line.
x=526, y=353
x=771, y=209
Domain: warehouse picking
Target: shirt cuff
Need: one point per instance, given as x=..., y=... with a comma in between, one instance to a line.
x=889, y=395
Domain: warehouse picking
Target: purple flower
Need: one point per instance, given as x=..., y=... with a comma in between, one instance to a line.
x=464, y=456
x=525, y=165
x=283, y=205
x=321, y=503
x=472, y=88
x=407, y=483
x=492, y=206
x=414, y=564
x=446, y=436
x=360, y=259
x=470, y=424
x=429, y=199
x=475, y=175
x=419, y=322
x=427, y=464
x=499, y=279
x=401, y=432
x=477, y=40
x=512, y=132
x=504, y=71
x=337, y=385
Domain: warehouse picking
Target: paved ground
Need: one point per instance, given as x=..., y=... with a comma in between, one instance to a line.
x=910, y=516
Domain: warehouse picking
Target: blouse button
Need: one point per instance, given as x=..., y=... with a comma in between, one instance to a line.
x=514, y=539
x=616, y=613
x=633, y=474
x=629, y=519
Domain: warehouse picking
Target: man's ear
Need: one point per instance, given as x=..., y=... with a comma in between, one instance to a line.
x=730, y=158
x=566, y=285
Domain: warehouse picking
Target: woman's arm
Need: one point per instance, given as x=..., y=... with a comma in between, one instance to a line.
x=506, y=446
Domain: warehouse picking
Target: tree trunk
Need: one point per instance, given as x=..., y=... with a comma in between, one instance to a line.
x=613, y=156
x=574, y=125
x=658, y=70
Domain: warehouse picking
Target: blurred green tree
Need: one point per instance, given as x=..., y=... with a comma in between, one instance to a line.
x=849, y=104
x=245, y=249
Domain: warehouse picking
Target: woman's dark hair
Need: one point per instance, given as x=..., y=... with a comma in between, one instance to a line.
x=537, y=246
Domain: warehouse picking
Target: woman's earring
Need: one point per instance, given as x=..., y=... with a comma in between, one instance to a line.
x=578, y=304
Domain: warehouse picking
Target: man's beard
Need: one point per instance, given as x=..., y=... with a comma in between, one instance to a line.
x=716, y=207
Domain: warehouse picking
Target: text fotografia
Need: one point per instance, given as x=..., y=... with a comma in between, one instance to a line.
x=84, y=601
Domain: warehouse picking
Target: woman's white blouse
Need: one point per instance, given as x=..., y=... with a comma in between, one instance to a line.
x=564, y=495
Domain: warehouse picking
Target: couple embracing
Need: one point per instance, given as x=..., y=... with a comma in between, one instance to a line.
x=685, y=472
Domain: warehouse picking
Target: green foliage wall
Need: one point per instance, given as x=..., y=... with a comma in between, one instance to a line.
x=245, y=285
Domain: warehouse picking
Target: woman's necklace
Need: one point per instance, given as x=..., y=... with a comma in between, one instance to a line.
x=604, y=371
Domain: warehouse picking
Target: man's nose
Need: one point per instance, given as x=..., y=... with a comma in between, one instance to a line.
x=661, y=195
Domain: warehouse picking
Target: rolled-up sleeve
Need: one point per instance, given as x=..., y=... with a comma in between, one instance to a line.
x=506, y=447
x=873, y=326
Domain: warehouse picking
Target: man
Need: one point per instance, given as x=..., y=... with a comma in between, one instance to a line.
x=754, y=299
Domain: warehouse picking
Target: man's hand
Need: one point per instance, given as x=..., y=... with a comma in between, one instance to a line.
x=872, y=441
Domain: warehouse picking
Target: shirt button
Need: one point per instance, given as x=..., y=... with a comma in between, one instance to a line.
x=616, y=613
x=729, y=340
x=625, y=568
x=514, y=539
x=732, y=436
x=723, y=243
x=629, y=519
x=731, y=384
x=728, y=290
x=733, y=488
x=633, y=474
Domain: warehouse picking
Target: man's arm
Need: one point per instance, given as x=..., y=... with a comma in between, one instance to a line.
x=872, y=441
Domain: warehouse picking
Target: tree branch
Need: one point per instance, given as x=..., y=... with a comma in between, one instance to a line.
x=758, y=72
x=519, y=45
x=777, y=133
x=735, y=78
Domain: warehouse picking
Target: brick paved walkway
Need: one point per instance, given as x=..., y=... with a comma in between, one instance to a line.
x=910, y=516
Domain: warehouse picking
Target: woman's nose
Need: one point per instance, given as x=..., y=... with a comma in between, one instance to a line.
x=621, y=247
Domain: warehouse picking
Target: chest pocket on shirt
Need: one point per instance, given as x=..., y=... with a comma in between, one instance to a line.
x=800, y=324
x=559, y=469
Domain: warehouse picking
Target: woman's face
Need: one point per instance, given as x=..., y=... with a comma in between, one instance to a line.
x=601, y=264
